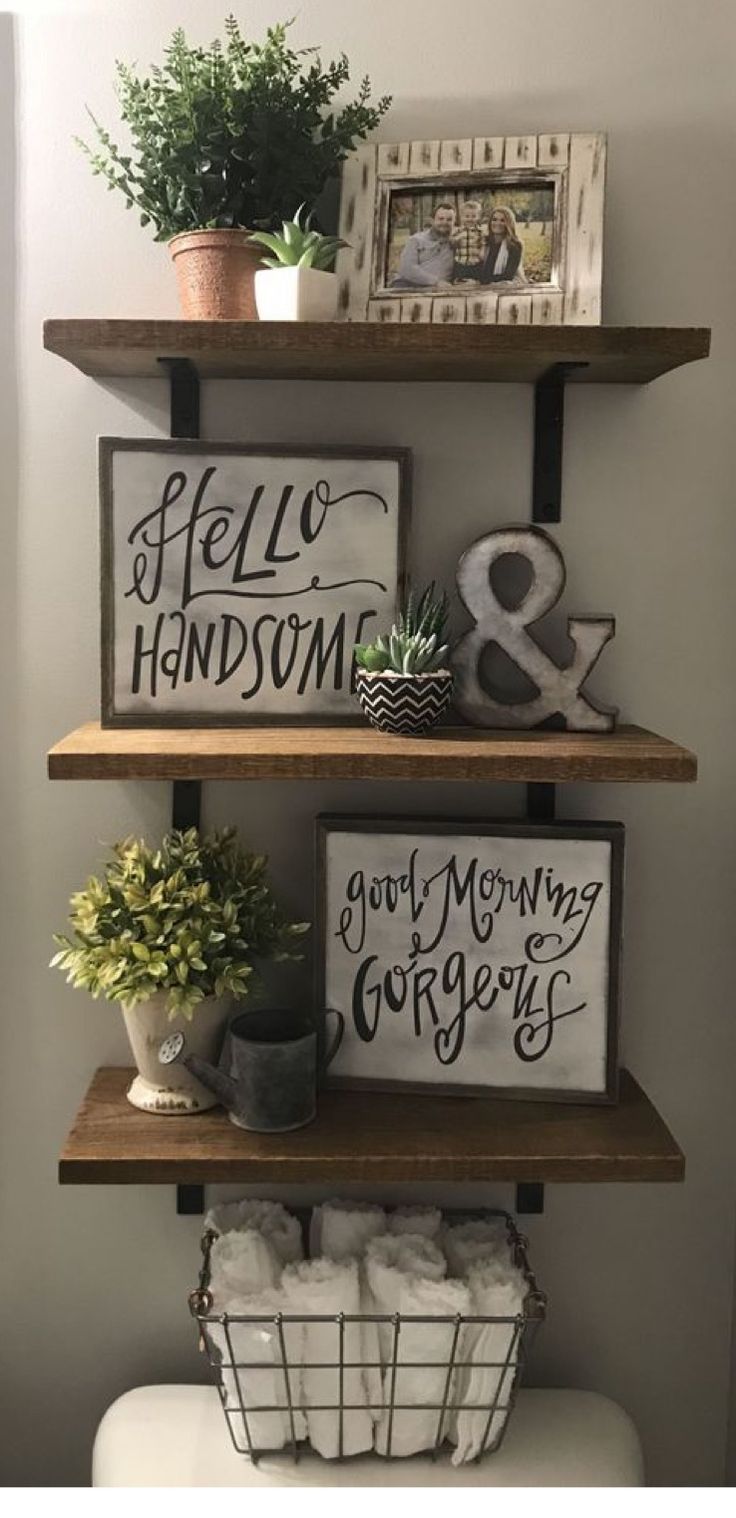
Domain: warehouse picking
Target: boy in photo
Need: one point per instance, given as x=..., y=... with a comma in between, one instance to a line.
x=469, y=242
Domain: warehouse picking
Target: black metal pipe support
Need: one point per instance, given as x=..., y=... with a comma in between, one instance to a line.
x=186, y=803
x=540, y=807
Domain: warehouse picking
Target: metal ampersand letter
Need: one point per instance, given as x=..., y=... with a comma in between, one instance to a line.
x=558, y=686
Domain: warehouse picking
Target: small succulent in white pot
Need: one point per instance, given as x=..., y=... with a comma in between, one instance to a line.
x=402, y=681
x=297, y=285
x=171, y=933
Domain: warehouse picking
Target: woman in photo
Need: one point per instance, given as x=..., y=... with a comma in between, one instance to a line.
x=503, y=260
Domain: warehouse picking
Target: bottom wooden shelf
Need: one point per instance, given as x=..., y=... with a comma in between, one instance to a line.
x=373, y=1138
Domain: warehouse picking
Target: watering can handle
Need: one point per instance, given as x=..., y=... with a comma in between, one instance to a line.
x=331, y=1047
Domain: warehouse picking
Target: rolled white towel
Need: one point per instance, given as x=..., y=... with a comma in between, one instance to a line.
x=424, y=1352
x=471, y=1243
x=280, y=1227
x=341, y=1230
x=325, y=1288
x=496, y=1290
x=388, y=1260
x=249, y=1389
x=424, y=1220
x=242, y=1264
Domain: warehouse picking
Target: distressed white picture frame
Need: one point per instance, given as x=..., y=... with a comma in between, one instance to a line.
x=575, y=163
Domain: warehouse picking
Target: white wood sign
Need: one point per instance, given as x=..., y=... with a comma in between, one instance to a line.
x=236, y=580
x=471, y=958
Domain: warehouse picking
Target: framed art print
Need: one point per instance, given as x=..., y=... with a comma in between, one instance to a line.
x=236, y=580
x=471, y=958
x=483, y=230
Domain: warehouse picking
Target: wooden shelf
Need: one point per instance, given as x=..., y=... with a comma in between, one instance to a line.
x=373, y=351
x=360, y=753
x=372, y=1137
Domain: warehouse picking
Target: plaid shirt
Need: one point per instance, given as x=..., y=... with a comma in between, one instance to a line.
x=469, y=245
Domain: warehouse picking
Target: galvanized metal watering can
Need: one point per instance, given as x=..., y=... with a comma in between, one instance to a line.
x=267, y=1076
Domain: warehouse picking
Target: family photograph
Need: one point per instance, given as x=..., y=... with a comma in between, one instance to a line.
x=500, y=236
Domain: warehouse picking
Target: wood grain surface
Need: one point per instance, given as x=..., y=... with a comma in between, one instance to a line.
x=374, y=1138
x=360, y=753
x=374, y=350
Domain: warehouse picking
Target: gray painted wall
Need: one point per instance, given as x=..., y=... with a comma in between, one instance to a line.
x=9, y=830
x=640, y=1278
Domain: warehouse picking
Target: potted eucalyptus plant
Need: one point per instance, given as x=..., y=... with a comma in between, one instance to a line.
x=402, y=682
x=298, y=284
x=171, y=933
x=224, y=140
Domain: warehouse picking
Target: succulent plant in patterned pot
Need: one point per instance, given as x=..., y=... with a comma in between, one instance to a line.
x=402, y=681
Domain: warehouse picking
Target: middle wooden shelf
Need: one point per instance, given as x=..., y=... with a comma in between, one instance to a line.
x=359, y=753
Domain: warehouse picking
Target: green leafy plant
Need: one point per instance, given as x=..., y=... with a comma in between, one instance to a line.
x=230, y=135
x=188, y=918
x=416, y=643
x=298, y=246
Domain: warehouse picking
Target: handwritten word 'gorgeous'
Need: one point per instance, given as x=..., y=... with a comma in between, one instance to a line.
x=534, y=999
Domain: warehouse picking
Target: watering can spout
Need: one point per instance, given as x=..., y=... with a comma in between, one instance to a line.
x=215, y=1080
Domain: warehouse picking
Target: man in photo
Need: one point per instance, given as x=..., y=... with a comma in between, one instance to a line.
x=428, y=257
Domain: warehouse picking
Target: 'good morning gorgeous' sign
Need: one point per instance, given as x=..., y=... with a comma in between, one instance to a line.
x=235, y=581
x=461, y=955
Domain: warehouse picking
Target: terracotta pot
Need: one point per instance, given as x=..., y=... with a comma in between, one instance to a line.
x=173, y=1090
x=215, y=271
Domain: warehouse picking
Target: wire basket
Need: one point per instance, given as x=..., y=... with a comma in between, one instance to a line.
x=259, y=1367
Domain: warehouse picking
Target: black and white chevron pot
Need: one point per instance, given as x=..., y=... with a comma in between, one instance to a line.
x=404, y=703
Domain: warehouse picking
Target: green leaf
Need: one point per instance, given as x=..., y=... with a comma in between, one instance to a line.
x=192, y=907
x=200, y=154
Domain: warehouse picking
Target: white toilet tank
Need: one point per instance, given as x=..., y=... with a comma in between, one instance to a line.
x=177, y=1436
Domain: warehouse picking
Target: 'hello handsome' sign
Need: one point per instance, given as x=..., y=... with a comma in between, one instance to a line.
x=472, y=957
x=236, y=580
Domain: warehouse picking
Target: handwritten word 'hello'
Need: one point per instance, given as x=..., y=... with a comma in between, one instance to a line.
x=216, y=552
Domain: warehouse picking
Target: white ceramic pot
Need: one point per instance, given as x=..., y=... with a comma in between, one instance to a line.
x=296, y=295
x=171, y=1089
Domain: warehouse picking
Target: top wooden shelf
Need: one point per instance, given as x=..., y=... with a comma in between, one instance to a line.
x=375, y=351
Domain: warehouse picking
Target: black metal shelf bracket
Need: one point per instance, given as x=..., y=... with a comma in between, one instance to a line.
x=549, y=419
x=184, y=390
x=530, y=1198
x=189, y=1201
x=540, y=801
x=186, y=807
